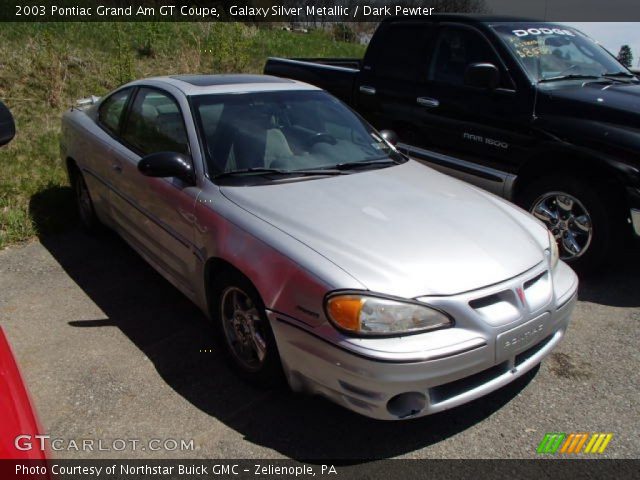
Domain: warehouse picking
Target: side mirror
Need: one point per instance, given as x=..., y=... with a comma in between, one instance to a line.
x=7, y=125
x=167, y=164
x=482, y=75
x=390, y=136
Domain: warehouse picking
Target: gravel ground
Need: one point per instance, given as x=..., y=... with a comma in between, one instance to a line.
x=110, y=351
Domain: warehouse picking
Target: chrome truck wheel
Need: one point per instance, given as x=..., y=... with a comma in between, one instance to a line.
x=569, y=221
x=583, y=216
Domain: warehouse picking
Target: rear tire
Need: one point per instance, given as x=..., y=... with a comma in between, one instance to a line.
x=244, y=330
x=582, y=218
x=86, y=212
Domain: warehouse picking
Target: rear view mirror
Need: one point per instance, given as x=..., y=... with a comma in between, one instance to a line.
x=7, y=125
x=390, y=136
x=482, y=75
x=167, y=164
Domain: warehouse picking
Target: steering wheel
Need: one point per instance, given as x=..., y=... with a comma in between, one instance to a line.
x=321, y=137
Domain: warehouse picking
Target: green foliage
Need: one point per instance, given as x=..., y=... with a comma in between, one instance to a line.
x=625, y=56
x=45, y=67
x=343, y=32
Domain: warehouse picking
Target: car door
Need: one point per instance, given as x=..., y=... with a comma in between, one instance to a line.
x=99, y=161
x=488, y=129
x=156, y=215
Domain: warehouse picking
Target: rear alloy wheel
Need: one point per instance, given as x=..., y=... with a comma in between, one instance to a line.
x=581, y=218
x=88, y=218
x=245, y=329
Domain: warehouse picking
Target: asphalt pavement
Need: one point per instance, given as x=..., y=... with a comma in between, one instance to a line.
x=111, y=351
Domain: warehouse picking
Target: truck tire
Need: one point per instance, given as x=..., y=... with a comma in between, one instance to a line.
x=580, y=217
x=244, y=331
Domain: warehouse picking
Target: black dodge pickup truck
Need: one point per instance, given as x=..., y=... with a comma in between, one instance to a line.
x=536, y=112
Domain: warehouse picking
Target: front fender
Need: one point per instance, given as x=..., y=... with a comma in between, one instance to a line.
x=289, y=276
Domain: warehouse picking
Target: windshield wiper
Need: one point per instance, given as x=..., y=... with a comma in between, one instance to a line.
x=365, y=163
x=573, y=76
x=278, y=171
x=618, y=74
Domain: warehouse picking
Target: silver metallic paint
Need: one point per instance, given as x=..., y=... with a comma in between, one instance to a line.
x=405, y=230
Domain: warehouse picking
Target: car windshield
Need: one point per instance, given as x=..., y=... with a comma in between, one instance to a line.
x=554, y=52
x=285, y=132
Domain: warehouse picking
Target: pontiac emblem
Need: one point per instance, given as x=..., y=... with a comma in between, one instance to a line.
x=521, y=296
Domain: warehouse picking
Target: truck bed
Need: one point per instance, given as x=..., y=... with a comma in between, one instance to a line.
x=336, y=75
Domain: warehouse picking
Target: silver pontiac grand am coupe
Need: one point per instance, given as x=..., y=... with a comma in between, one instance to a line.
x=320, y=252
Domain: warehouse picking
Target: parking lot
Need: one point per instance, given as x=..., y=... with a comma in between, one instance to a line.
x=110, y=350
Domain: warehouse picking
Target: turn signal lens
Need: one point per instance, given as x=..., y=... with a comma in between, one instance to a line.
x=368, y=315
x=345, y=311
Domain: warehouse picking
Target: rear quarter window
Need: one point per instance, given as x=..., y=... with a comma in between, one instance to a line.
x=111, y=110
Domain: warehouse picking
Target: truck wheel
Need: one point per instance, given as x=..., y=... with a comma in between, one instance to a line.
x=245, y=331
x=576, y=214
x=88, y=218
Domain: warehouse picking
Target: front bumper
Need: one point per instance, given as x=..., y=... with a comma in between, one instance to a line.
x=382, y=384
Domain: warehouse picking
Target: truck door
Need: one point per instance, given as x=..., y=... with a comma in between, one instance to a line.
x=387, y=86
x=487, y=129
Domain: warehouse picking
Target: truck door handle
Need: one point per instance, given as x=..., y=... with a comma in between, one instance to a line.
x=367, y=90
x=117, y=167
x=428, y=102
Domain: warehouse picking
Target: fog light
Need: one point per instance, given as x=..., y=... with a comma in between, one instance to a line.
x=406, y=404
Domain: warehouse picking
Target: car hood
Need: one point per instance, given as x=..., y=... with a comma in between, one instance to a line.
x=405, y=230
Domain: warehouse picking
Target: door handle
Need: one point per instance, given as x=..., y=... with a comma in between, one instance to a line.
x=428, y=102
x=367, y=90
x=117, y=167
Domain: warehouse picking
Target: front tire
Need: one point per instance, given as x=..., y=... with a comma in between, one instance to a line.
x=245, y=332
x=580, y=217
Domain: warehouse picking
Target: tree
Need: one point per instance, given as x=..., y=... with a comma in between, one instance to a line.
x=625, y=56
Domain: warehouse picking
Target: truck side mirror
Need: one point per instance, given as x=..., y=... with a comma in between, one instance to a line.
x=482, y=75
x=7, y=125
x=390, y=136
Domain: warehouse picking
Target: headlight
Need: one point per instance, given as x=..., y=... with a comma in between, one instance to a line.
x=553, y=253
x=371, y=315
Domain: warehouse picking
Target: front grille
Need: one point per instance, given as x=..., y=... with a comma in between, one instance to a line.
x=453, y=389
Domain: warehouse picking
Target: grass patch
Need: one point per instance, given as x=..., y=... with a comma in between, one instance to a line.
x=45, y=67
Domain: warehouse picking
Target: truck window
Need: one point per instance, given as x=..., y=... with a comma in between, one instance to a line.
x=457, y=48
x=401, y=53
x=551, y=50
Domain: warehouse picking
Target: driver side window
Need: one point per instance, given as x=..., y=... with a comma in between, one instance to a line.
x=155, y=124
x=457, y=48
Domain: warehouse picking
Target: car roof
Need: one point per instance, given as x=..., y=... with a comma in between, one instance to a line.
x=192, y=85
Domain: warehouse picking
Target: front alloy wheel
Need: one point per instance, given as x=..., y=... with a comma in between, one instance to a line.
x=243, y=328
x=569, y=221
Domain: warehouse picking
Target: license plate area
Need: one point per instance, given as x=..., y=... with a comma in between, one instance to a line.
x=518, y=339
